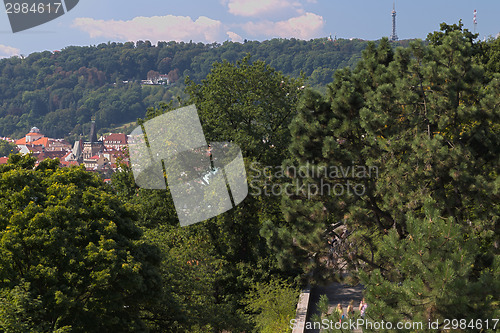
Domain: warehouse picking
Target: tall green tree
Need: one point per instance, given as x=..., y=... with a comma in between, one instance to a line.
x=425, y=120
x=71, y=257
x=252, y=105
x=249, y=103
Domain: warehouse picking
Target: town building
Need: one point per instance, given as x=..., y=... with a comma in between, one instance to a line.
x=116, y=141
x=42, y=147
x=92, y=147
x=103, y=155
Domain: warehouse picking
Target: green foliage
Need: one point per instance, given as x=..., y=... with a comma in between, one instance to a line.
x=426, y=119
x=423, y=234
x=436, y=37
x=250, y=104
x=16, y=305
x=231, y=253
x=59, y=92
x=7, y=148
x=434, y=275
x=273, y=305
x=70, y=254
x=491, y=56
x=191, y=273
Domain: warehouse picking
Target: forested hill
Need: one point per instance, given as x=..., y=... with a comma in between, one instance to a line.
x=59, y=91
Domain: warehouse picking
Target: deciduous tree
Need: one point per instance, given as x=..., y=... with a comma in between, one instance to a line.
x=71, y=257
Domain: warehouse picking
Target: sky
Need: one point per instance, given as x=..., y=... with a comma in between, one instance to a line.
x=93, y=22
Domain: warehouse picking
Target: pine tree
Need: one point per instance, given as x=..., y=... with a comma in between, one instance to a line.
x=425, y=119
x=432, y=277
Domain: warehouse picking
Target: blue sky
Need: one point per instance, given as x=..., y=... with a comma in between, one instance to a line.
x=95, y=21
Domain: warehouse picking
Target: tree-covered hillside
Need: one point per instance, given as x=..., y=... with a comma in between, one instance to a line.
x=391, y=176
x=59, y=91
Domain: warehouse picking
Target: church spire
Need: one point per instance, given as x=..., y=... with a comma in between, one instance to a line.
x=93, y=133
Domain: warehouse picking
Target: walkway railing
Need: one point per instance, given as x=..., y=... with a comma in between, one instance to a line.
x=302, y=308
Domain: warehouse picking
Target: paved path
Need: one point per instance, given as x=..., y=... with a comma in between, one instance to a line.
x=336, y=293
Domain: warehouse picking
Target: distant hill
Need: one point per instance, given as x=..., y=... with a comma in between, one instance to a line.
x=59, y=91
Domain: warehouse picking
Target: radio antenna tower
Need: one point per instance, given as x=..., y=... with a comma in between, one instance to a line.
x=393, y=37
x=474, y=21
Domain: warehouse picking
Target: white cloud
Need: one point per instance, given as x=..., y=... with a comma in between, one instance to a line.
x=234, y=37
x=306, y=26
x=259, y=7
x=8, y=51
x=169, y=27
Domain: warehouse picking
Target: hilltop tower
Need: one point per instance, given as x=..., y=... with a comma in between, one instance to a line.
x=393, y=37
x=474, y=21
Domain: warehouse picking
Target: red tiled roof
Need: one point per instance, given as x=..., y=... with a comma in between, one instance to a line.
x=34, y=134
x=68, y=163
x=59, y=142
x=35, y=148
x=67, y=154
x=50, y=154
x=120, y=137
x=3, y=160
x=42, y=141
x=21, y=141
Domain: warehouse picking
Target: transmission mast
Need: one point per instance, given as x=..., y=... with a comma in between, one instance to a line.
x=393, y=37
x=474, y=21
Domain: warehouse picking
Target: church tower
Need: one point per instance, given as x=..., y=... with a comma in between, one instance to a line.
x=92, y=147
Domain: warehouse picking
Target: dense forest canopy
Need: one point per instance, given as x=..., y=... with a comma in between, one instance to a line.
x=79, y=255
x=59, y=91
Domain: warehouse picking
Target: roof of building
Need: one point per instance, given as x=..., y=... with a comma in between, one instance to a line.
x=67, y=154
x=35, y=148
x=21, y=141
x=4, y=160
x=120, y=137
x=42, y=141
x=34, y=134
x=50, y=154
x=59, y=141
x=77, y=148
x=68, y=163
